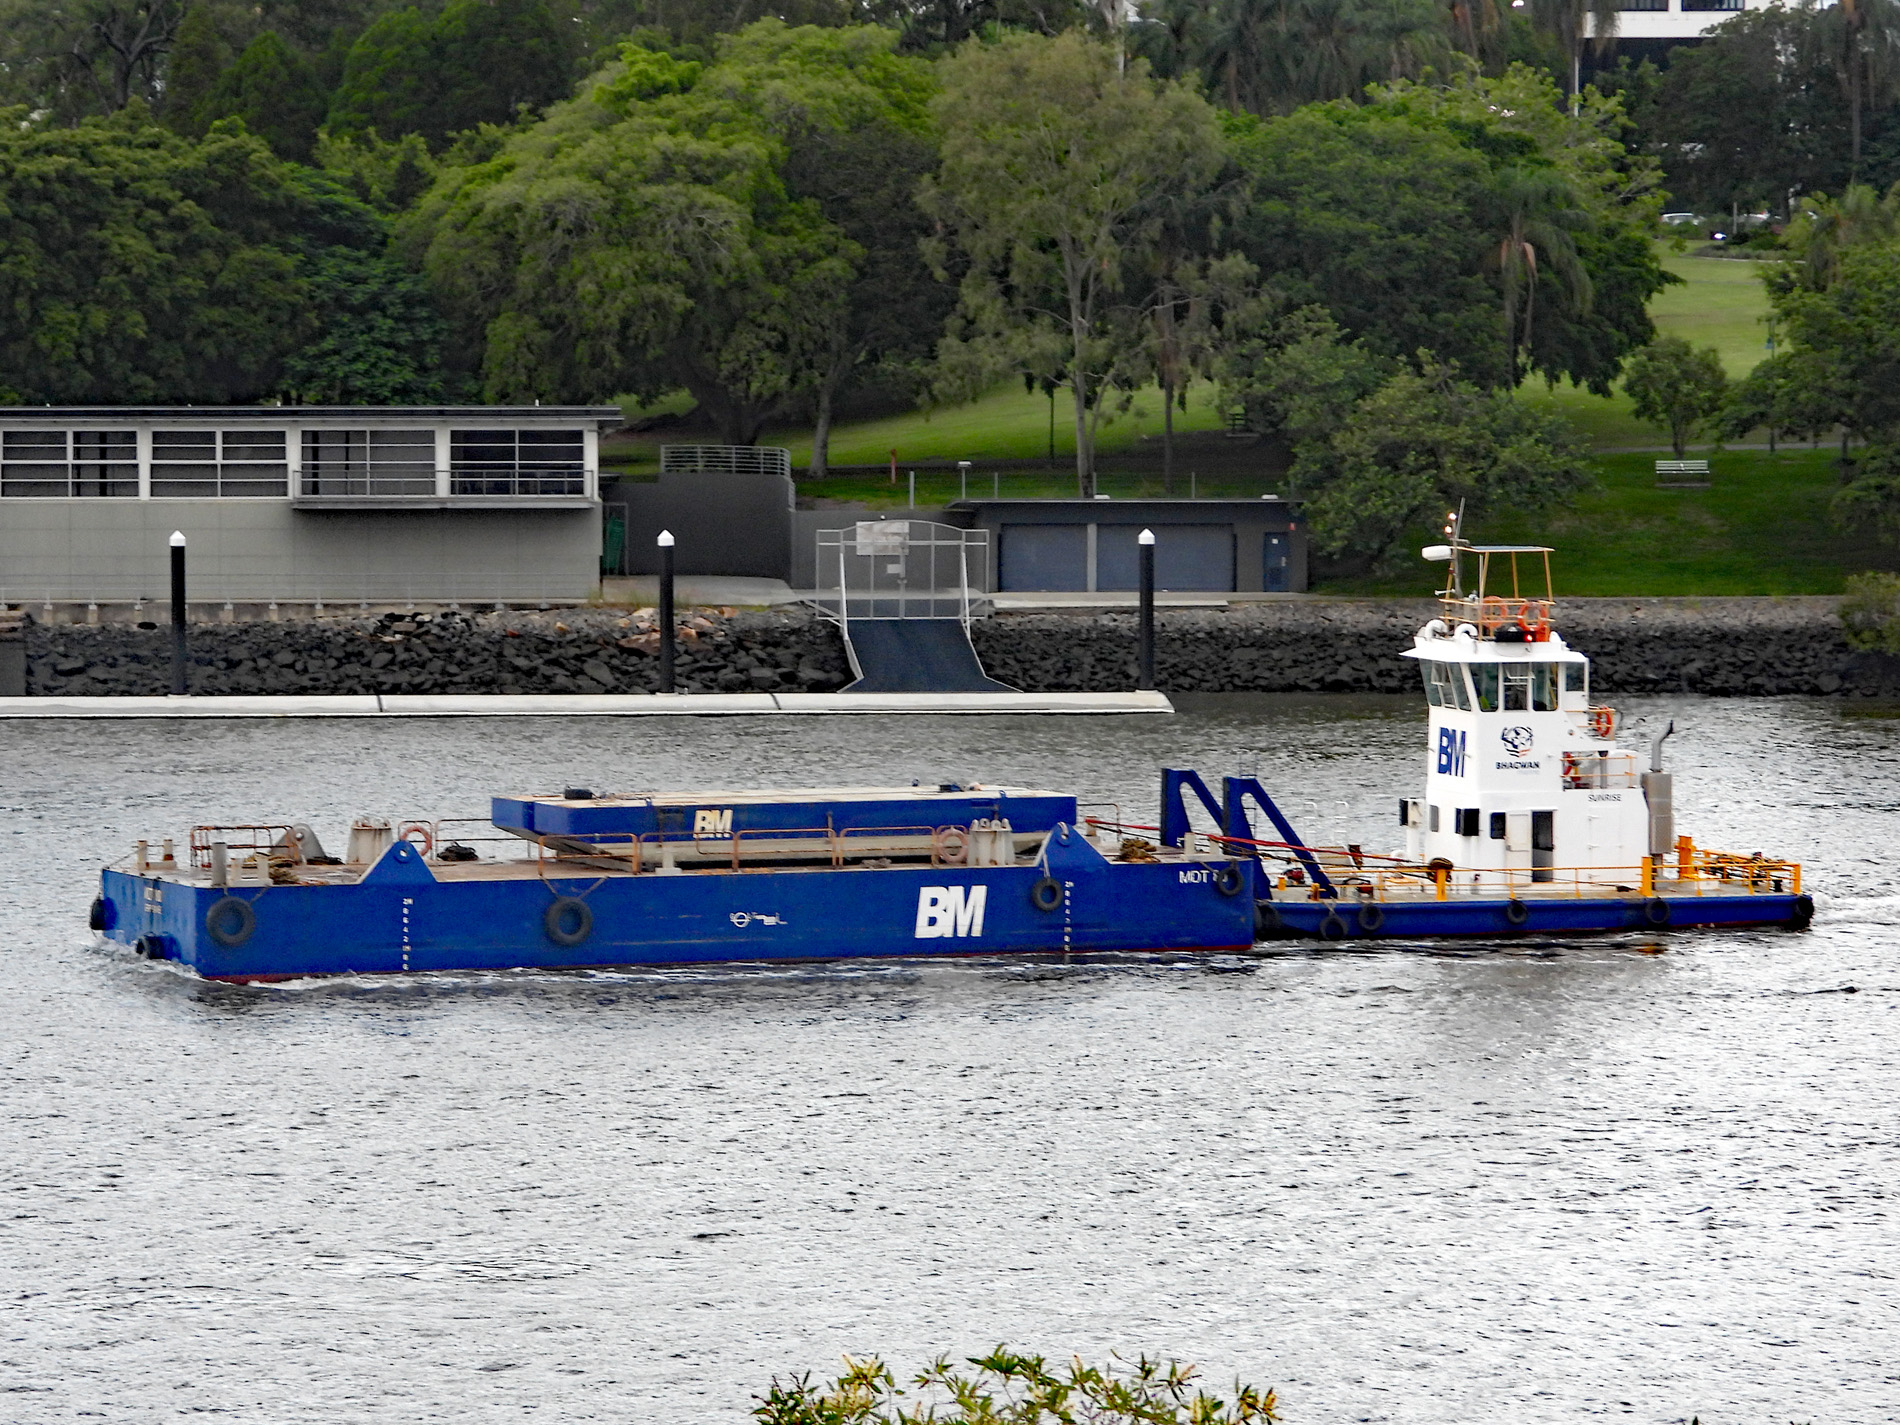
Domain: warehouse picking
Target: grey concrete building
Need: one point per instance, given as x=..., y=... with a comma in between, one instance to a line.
x=304, y=503
x=1215, y=545
x=731, y=511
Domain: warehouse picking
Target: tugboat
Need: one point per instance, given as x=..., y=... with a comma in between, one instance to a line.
x=1533, y=821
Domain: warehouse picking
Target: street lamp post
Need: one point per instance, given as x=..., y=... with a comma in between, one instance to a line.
x=1145, y=617
x=179, y=688
x=665, y=542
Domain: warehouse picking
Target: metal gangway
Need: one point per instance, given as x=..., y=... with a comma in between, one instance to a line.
x=904, y=594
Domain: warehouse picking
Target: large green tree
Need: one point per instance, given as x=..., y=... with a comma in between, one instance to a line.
x=1271, y=56
x=1059, y=165
x=644, y=237
x=1675, y=385
x=143, y=266
x=475, y=62
x=85, y=57
x=1484, y=219
x=375, y=334
x=274, y=90
x=1752, y=114
x=1425, y=442
x=864, y=180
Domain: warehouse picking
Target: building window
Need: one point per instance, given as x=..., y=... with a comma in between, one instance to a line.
x=517, y=462
x=210, y=464
x=368, y=462
x=58, y=464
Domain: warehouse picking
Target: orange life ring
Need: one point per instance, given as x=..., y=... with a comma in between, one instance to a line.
x=950, y=846
x=1603, y=722
x=415, y=830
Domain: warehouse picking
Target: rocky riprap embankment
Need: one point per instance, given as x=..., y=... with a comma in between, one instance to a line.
x=573, y=651
x=1724, y=646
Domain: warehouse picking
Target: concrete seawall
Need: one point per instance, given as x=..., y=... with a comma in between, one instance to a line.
x=1719, y=646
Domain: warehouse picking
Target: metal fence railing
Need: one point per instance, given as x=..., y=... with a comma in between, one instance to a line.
x=726, y=459
x=903, y=569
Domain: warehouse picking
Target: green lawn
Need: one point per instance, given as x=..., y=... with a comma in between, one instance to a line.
x=1007, y=424
x=1721, y=303
x=1761, y=528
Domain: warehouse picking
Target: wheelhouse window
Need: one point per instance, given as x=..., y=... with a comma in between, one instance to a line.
x=518, y=462
x=1445, y=686
x=201, y=464
x=59, y=464
x=1484, y=682
x=368, y=462
x=1576, y=678
x=1516, y=687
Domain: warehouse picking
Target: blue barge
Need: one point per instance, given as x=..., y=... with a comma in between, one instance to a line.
x=579, y=880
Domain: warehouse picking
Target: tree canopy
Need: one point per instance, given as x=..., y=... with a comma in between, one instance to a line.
x=1057, y=170
x=643, y=236
x=1477, y=219
x=476, y=62
x=145, y=266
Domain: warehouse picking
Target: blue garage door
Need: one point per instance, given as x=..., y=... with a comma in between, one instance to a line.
x=1045, y=556
x=1187, y=557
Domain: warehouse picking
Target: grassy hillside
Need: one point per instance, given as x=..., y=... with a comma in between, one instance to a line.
x=1762, y=528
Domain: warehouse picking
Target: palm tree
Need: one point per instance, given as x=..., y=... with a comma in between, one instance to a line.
x=1866, y=61
x=1536, y=213
x=1575, y=22
x=1823, y=228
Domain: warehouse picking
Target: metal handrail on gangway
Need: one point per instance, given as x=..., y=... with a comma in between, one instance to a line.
x=903, y=595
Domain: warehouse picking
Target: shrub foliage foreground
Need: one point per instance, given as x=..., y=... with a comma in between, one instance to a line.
x=1005, y=1388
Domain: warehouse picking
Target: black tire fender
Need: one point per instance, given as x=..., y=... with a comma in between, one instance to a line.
x=1332, y=928
x=1046, y=894
x=1371, y=917
x=1801, y=913
x=100, y=916
x=230, y=921
x=568, y=921
x=1656, y=911
x=1516, y=911
x=153, y=946
x=1267, y=920
x=1228, y=879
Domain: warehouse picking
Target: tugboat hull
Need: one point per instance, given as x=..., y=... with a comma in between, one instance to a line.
x=1396, y=919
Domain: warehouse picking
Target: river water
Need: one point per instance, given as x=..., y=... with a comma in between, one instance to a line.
x=1624, y=1177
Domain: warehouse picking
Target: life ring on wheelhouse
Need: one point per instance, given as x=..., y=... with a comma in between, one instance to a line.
x=1603, y=722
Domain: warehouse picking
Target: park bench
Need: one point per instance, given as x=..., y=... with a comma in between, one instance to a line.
x=1682, y=474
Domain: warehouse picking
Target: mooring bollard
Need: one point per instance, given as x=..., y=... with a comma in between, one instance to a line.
x=1146, y=616
x=666, y=610
x=12, y=652
x=178, y=614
